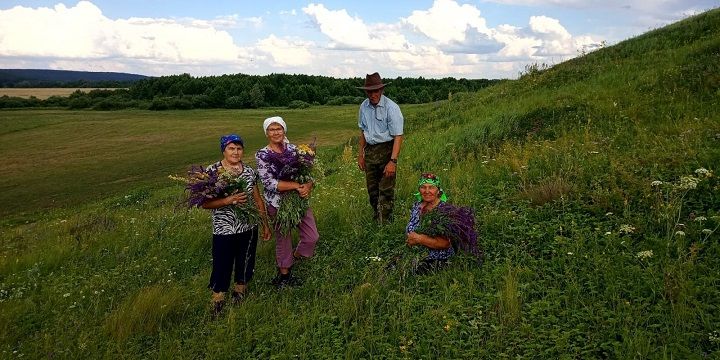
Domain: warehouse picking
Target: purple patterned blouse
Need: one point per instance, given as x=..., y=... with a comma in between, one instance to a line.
x=414, y=223
x=270, y=183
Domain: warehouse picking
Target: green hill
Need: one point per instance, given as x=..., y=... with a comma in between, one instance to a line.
x=598, y=205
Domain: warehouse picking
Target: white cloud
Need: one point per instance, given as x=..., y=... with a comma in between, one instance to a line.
x=425, y=60
x=447, y=21
x=286, y=53
x=83, y=32
x=349, y=32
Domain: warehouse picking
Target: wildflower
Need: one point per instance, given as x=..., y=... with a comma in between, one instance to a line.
x=594, y=152
x=66, y=295
x=178, y=178
x=688, y=182
x=680, y=233
x=608, y=233
x=714, y=337
x=644, y=254
x=700, y=218
x=447, y=327
x=656, y=183
x=373, y=258
x=570, y=253
x=627, y=229
x=703, y=172
x=707, y=231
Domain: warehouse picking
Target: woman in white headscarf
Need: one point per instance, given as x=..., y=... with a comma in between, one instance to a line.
x=279, y=146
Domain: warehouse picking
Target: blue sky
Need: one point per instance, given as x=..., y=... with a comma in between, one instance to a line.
x=435, y=38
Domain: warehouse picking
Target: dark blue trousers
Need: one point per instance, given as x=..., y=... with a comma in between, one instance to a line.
x=230, y=252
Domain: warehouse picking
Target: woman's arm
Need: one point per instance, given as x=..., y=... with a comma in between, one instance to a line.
x=238, y=198
x=263, y=213
x=437, y=242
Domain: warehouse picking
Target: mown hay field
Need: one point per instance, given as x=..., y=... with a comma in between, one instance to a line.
x=43, y=93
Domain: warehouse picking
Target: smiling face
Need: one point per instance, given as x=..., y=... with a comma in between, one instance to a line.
x=374, y=95
x=429, y=193
x=233, y=153
x=275, y=133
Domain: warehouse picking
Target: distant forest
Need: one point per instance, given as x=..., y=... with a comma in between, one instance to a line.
x=248, y=91
x=43, y=78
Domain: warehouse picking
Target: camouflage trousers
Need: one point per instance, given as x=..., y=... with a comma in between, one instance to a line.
x=381, y=189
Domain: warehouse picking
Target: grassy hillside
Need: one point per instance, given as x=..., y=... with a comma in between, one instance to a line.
x=597, y=202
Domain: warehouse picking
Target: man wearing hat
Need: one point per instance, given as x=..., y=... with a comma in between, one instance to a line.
x=381, y=135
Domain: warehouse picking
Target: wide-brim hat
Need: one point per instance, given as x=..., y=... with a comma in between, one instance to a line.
x=373, y=82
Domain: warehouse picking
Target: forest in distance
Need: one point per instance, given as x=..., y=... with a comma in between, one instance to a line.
x=240, y=91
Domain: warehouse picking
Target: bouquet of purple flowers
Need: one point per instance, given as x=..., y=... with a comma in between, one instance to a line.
x=455, y=223
x=205, y=184
x=291, y=165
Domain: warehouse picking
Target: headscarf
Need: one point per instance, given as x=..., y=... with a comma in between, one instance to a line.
x=432, y=179
x=230, y=138
x=275, y=119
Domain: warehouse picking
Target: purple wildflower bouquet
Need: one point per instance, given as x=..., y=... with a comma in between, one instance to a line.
x=205, y=184
x=455, y=223
x=291, y=165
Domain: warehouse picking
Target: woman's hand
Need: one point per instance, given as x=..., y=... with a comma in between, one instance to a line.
x=234, y=199
x=266, y=233
x=305, y=189
x=413, y=238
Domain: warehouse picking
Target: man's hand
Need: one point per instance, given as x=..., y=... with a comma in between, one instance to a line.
x=361, y=161
x=390, y=169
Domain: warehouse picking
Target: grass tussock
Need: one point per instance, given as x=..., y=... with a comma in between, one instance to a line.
x=146, y=312
x=548, y=190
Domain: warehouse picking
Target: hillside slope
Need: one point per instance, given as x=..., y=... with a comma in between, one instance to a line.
x=597, y=201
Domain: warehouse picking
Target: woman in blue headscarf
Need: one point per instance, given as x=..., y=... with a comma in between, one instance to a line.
x=234, y=239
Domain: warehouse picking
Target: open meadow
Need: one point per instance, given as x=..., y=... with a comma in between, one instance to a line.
x=594, y=184
x=56, y=158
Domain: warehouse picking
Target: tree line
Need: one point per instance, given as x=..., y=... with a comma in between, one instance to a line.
x=240, y=91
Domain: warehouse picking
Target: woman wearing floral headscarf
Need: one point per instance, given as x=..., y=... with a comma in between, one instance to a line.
x=438, y=226
x=271, y=161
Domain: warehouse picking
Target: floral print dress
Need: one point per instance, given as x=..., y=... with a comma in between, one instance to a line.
x=414, y=223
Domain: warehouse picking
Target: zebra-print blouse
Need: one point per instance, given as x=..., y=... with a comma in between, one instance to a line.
x=225, y=222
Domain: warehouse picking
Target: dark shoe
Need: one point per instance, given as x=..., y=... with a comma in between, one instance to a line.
x=237, y=297
x=285, y=280
x=218, y=307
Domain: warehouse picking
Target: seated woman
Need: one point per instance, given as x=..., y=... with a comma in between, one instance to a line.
x=447, y=228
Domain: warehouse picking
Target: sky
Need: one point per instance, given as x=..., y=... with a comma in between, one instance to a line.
x=488, y=39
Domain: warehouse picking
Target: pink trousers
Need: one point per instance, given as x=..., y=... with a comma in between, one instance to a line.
x=283, y=243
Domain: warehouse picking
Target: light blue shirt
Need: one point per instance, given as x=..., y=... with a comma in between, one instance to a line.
x=382, y=122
